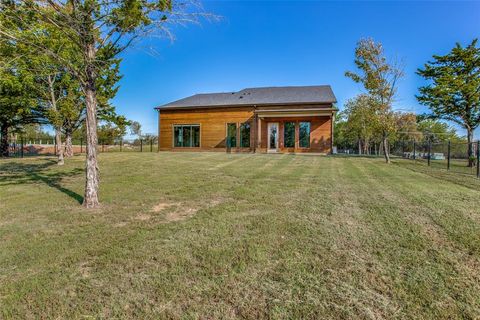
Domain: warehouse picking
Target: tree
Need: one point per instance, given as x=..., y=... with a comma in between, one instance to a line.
x=379, y=78
x=361, y=121
x=17, y=104
x=110, y=132
x=150, y=137
x=436, y=131
x=406, y=127
x=35, y=132
x=453, y=91
x=136, y=129
x=68, y=110
x=111, y=129
x=340, y=132
x=100, y=30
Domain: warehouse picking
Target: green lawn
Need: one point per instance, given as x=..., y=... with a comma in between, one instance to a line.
x=219, y=236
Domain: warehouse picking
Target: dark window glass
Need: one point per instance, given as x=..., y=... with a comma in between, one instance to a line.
x=186, y=135
x=178, y=136
x=304, y=132
x=196, y=136
x=245, y=135
x=289, y=134
x=231, y=135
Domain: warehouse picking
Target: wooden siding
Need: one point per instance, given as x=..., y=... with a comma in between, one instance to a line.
x=213, y=126
x=320, y=134
x=213, y=129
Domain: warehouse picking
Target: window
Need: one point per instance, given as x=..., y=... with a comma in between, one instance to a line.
x=289, y=134
x=186, y=136
x=245, y=135
x=304, y=132
x=231, y=135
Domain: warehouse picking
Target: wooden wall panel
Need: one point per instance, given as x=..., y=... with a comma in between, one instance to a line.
x=212, y=125
x=320, y=134
x=213, y=129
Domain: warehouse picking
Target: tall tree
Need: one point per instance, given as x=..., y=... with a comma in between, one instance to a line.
x=17, y=104
x=453, y=91
x=100, y=30
x=64, y=102
x=406, y=127
x=379, y=78
x=437, y=131
x=361, y=120
x=340, y=133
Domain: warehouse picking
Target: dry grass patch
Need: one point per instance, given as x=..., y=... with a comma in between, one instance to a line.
x=161, y=206
x=181, y=213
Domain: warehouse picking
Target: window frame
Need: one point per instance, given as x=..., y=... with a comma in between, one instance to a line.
x=227, y=137
x=241, y=129
x=294, y=133
x=191, y=125
x=309, y=134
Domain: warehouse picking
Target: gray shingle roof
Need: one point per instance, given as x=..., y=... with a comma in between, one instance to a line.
x=258, y=96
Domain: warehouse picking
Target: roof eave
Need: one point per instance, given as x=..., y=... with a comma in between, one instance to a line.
x=243, y=105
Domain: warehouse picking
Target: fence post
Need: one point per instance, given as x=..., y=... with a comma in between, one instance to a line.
x=414, y=150
x=21, y=145
x=151, y=145
x=429, y=151
x=81, y=145
x=141, y=145
x=478, y=159
x=448, y=156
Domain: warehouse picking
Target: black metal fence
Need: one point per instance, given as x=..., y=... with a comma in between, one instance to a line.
x=23, y=147
x=452, y=156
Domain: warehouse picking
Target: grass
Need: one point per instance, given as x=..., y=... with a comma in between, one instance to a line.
x=456, y=165
x=209, y=235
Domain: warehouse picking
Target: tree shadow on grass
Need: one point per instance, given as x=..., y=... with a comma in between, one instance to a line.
x=16, y=173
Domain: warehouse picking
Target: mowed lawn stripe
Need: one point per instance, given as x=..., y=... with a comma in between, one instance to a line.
x=265, y=236
x=450, y=207
x=413, y=249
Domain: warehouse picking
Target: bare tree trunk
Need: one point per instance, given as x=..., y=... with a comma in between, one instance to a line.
x=58, y=136
x=385, y=149
x=92, y=180
x=359, y=146
x=4, y=141
x=59, y=151
x=68, y=145
x=471, y=161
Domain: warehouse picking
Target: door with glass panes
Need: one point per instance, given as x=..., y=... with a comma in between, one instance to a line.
x=272, y=137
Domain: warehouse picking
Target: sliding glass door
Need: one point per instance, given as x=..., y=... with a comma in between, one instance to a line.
x=186, y=136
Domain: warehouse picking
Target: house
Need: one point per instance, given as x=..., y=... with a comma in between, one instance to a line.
x=270, y=119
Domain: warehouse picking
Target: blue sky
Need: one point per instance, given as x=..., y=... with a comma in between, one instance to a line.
x=280, y=43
